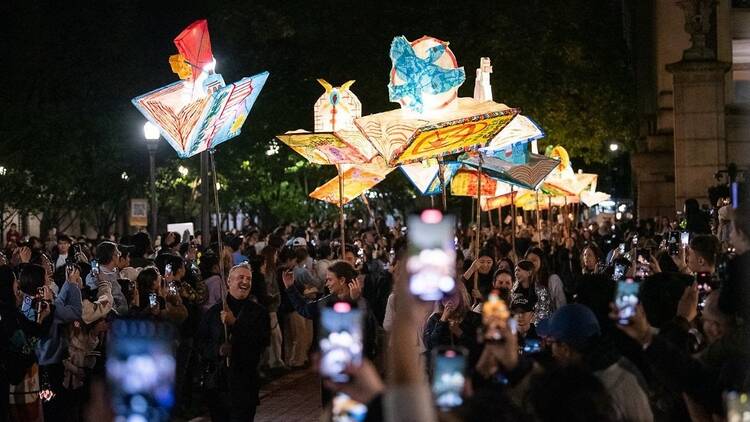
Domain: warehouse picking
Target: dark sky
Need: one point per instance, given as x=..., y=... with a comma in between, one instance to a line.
x=75, y=65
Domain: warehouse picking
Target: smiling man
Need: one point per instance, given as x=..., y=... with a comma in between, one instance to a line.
x=233, y=391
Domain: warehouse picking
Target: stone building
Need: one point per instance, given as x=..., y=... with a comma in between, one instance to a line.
x=692, y=66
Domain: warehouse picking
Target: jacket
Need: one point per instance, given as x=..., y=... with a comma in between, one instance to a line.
x=68, y=307
x=248, y=337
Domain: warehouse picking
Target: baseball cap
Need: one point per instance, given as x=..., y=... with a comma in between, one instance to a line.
x=571, y=324
x=299, y=241
x=520, y=304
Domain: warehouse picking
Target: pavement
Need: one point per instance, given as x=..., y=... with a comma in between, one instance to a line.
x=294, y=397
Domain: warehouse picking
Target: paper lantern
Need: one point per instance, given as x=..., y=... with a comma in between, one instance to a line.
x=201, y=111
x=357, y=179
x=336, y=109
x=424, y=175
x=192, y=125
x=402, y=138
x=425, y=75
x=342, y=147
x=528, y=176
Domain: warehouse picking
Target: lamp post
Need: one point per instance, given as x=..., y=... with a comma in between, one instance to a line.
x=151, y=134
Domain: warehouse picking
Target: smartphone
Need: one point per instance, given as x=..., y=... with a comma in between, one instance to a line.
x=448, y=376
x=619, y=272
x=673, y=244
x=495, y=315
x=140, y=369
x=173, y=288
x=684, y=238
x=531, y=346
x=167, y=270
x=340, y=338
x=346, y=409
x=94, y=268
x=735, y=188
x=152, y=300
x=626, y=300
x=431, y=254
x=704, y=282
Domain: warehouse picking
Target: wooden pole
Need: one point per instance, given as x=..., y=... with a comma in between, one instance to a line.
x=513, y=223
x=478, y=237
x=566, y=229
x=538, y=218
x=220, y=242
x=500, y=218
x=441, y=177
x=341, y=210
x=549, y=211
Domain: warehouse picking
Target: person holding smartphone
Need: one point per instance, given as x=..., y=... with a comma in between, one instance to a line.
x=343, y=285
x=108, y=257
x=155, y=301
x=52, y=347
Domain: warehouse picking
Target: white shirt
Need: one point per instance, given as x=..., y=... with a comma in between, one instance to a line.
x=61, y=260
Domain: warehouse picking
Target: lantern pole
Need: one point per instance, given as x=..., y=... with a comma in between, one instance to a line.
x=341, y=210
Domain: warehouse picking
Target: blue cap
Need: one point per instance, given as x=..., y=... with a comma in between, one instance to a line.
x=571, y=324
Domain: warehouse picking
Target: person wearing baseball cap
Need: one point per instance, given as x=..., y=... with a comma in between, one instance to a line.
x=523, y=311
x=575, y=335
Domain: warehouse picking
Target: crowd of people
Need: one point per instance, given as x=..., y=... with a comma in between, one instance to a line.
x=250, y=310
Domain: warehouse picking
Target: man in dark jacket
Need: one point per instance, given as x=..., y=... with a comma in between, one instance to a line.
x=249, y=329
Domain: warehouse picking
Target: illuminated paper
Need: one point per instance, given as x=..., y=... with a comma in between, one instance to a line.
x=357, y=180
x=464, y=183
x=201, y=111
x=336, y=109
x=520, y=130
x=194, y=45
x=342, y=147
x=528, y=176
x=571, y=186
x=424, y=75
x=528, y=201
x=401, y=138
x=424, y=175
x=192, y=125
x=594, y=198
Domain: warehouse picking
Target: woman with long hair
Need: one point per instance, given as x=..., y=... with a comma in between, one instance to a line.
x=590, y=259
x=454, y=324
x=550, y=281
x=527, y=286
x=485, y=267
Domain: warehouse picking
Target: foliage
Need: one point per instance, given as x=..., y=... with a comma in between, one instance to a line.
x=68, y=131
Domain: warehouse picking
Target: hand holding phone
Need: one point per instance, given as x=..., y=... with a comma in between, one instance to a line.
x=448, y=376
x=626, y=300
x=141, y=369
x=432, y=255
x=340, y=339
x=153, y=302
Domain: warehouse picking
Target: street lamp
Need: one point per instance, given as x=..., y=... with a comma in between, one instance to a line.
x=182, y=170
x=614, y=147
x=151, y=134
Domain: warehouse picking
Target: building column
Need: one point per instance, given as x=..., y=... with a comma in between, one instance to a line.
x=700, y=148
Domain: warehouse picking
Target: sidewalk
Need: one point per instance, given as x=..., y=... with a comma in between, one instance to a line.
x=293, y=397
